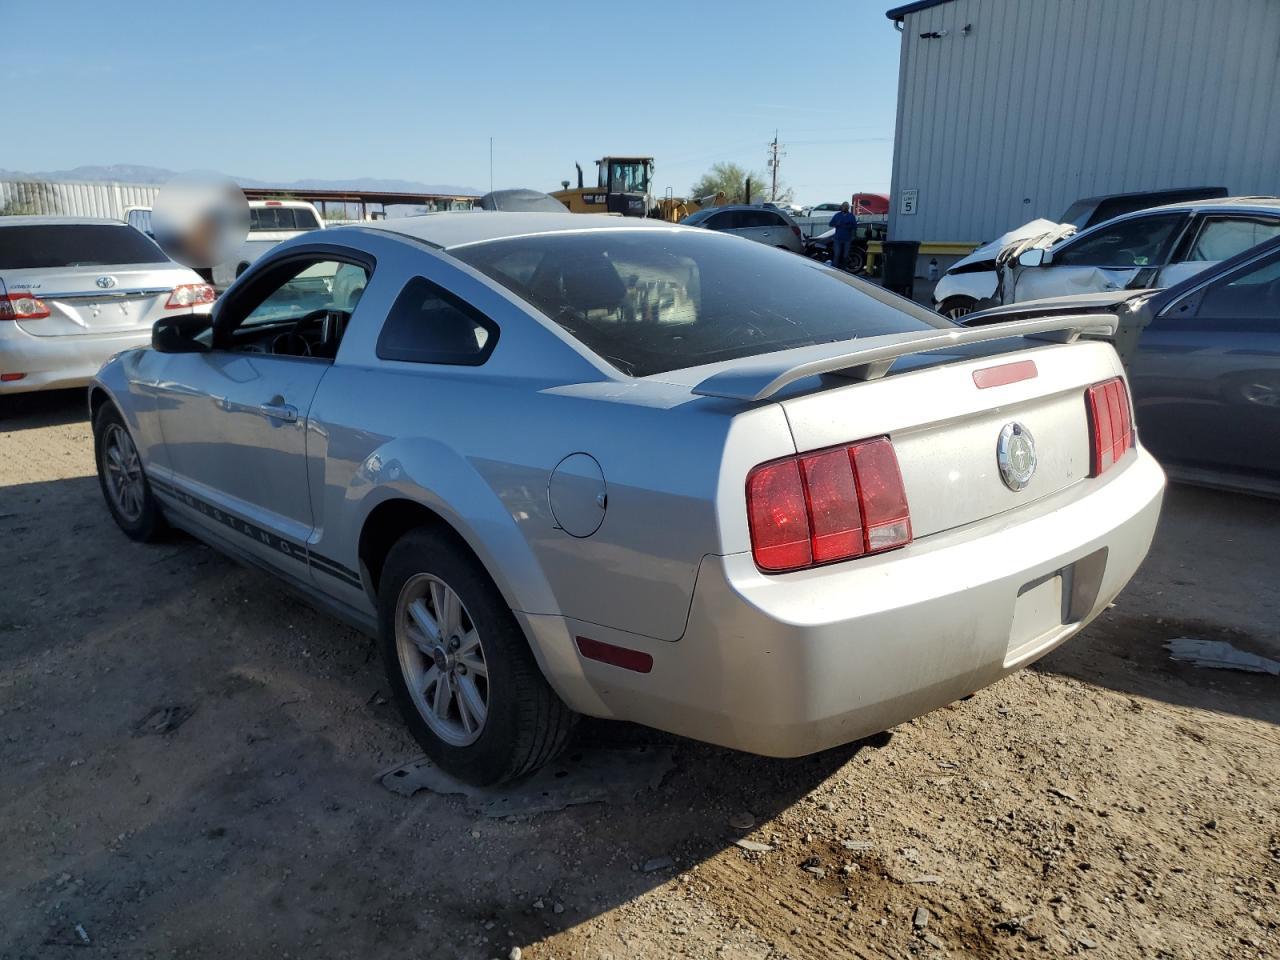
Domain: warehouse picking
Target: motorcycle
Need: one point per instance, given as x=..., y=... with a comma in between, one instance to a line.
x=819, y=248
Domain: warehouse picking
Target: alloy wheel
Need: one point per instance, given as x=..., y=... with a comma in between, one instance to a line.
x=442, y=659
x=123, y=472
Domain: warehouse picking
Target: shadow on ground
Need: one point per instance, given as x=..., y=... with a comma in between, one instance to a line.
x=261, y=805
x=47, y=408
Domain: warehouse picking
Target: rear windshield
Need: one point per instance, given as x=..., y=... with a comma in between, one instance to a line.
x=649, y=301
x=75, y=245
x=282, y=218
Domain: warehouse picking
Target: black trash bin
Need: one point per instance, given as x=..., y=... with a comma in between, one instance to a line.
x=900, y=265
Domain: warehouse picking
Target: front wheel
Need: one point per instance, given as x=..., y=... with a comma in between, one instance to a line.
x=955, y=308
x=124, y=485
x=460, y=667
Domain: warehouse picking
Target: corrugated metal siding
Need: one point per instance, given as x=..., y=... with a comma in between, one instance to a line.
x=1048, y=101
x=69, y=199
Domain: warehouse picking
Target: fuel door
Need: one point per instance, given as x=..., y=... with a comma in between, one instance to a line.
x=577, y=495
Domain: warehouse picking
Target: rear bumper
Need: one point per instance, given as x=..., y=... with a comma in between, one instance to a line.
x=789, y=665
x=51, y=363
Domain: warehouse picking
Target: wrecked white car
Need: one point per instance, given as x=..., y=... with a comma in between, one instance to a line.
x=1152, y=248
x=972, y=282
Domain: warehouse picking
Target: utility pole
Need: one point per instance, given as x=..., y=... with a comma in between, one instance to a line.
x=491, y=164
x=776, y=153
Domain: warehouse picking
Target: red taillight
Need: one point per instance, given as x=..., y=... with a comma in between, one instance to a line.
x=795, y=230
x=835, y=520
x=831, y=505
x=190, y=295
x=884, y=499
x=1110, y=424
x=273, y=203
x=778, y=516
x=22, y=306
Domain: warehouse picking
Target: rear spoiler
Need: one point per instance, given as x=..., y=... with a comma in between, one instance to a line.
x=757, y=378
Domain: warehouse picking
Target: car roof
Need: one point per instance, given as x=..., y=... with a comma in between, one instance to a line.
x=460, y=227
x=1220, y=205
x=59, y=221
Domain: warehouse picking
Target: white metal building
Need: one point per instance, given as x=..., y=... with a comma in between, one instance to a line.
x=74, y=199
x=1012, y=109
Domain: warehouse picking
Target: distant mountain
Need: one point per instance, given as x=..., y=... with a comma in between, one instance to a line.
x=135, y=173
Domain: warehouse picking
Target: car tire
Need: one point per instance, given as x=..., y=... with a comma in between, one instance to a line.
x=123, y=482
x=480, y=659
x=956, y=307
x=855, y=261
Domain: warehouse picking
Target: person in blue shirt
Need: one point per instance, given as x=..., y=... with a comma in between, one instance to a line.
x=845, y=223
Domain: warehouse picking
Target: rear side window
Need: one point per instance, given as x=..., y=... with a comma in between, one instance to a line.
x=427, y=324
x=1221, y=238
x=282, y=218
x=75, y=245
x=649, y=301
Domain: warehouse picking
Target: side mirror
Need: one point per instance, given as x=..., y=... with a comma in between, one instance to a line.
x=178, y=334
x=1034, y=257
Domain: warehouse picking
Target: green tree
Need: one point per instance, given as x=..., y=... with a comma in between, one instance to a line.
x=732, y=180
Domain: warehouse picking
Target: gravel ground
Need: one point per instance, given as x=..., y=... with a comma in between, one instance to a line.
x=1107, y=802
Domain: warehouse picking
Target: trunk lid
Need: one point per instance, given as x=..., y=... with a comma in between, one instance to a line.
x=946, y=428
x=99, y=299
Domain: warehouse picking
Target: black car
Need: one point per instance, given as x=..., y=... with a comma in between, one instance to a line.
x=1203, y=358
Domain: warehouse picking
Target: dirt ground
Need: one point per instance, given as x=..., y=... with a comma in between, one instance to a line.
x=1107, y=802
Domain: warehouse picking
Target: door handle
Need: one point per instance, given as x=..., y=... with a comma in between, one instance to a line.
x=279, y=411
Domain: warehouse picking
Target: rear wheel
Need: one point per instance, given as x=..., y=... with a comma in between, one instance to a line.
x=957, y=307
x=856, y=260
x=459, y=665
x=124, y=484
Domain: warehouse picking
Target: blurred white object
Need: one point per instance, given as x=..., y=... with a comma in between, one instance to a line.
x=1219, y=655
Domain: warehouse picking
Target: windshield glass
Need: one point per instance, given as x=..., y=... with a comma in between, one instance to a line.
x=628, y=178
x=281, y=218
x=649, y=301
x=75, y=245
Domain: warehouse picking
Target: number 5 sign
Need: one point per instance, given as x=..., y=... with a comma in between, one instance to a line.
x=907, y=201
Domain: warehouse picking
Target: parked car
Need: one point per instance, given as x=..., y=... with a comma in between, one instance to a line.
x=1204, y=363
x=74, y=291
x=972, y=282
x=270, y=222
x=761, y=224
x=817, y=219
x=639, y=471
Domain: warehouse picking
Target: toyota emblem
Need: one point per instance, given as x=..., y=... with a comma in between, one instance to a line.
x=1016, y=455
x=106, y=283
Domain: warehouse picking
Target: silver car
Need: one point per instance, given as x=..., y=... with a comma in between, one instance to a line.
x=767, y=225
x=75, y=291
x=562, y=465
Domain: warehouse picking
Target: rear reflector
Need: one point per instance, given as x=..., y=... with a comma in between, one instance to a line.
x=1004, y=374
x=827, y=506
x=10, y=377
x=1110, y=423
x=615, y=656
x=22, y=306
x=190, y=295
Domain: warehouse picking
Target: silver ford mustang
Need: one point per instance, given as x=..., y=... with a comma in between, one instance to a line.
x=564, y=465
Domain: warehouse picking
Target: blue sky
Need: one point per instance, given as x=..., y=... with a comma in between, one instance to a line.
x=333, y=90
